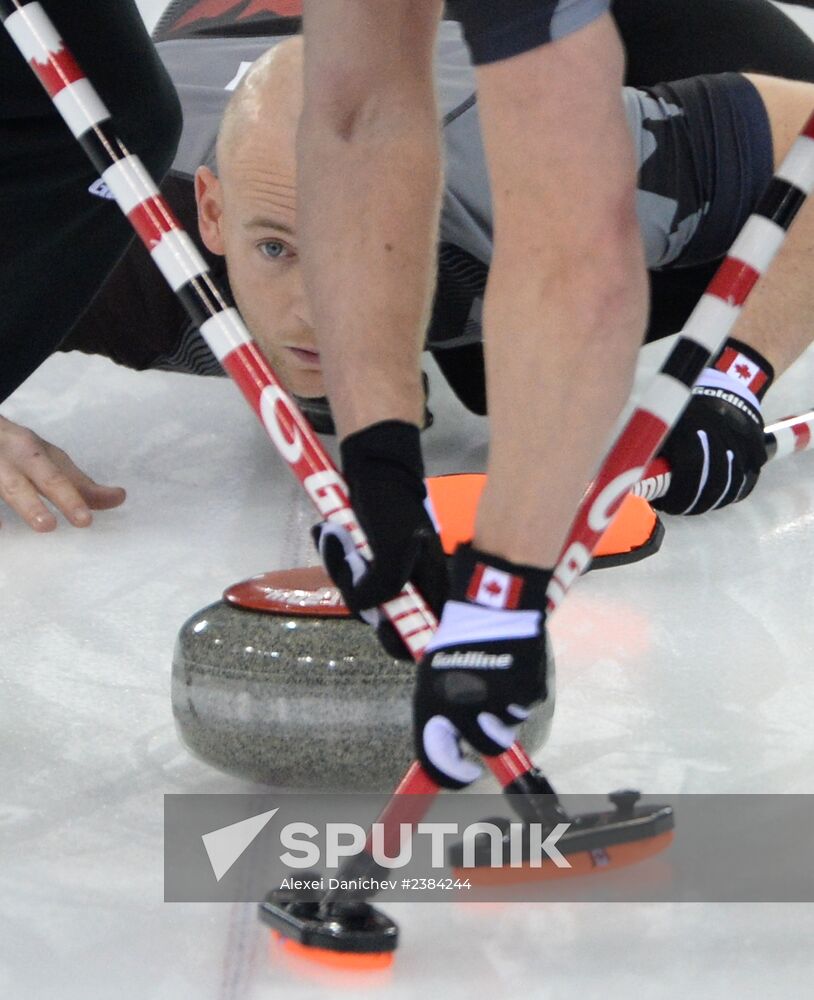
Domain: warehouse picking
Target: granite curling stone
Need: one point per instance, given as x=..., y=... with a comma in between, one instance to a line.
x=299, y=694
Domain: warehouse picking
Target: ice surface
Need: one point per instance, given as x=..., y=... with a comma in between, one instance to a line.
x=690, y=672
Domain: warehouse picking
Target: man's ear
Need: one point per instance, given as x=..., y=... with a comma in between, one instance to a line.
x=209, y=199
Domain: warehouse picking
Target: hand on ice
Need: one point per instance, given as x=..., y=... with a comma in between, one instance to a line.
x=32, y=470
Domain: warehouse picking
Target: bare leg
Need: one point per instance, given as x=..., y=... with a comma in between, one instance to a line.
x=369, y=187
x=566, y=301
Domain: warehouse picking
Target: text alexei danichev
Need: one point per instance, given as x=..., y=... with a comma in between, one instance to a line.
x=323, y=884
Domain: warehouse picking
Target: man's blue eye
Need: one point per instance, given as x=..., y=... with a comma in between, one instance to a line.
x=273, y=249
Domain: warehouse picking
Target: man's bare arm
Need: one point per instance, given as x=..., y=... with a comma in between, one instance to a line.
x=369, y=258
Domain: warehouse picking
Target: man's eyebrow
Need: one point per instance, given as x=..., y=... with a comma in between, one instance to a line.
x=264, y=222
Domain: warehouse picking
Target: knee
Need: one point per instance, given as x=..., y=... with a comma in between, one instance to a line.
x=355, y=109
x=604, y=250
x=610, y=272
x=340, y=102
x=369, y=99
x=570, y=244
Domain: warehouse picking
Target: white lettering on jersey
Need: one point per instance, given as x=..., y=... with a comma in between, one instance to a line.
x=101, y=190
x=234, y=83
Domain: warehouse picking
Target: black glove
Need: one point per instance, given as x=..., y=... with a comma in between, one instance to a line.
x=384, y=471
x=485, y=667
x=716, y=450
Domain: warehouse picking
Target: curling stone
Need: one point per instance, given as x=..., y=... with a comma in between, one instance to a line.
x=278, y=684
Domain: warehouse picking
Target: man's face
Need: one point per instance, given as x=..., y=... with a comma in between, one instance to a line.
x=249, y=214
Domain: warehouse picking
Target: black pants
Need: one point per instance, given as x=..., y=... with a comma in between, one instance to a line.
x=674, y=39
x=57, y=241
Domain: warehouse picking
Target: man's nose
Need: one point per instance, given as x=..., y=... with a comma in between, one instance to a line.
x=300, y=304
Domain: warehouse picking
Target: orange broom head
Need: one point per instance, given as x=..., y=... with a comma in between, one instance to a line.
x=633, y=535
x=582, y=863
x=346, y=960
x=455, y=500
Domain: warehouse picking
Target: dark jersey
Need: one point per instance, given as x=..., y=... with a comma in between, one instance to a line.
x=688, y=214
x=58, y=243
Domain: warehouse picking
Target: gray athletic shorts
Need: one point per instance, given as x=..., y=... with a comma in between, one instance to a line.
x=499, y=29
x=704, y=147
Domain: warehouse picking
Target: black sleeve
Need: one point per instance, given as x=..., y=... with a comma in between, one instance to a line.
x=675, y=39
x=58, y=242
x=135, y=318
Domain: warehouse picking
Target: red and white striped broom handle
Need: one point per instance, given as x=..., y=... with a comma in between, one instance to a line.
x=666, y=395
x=785, y=437
x=221, y=326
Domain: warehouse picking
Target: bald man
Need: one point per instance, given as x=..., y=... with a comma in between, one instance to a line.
x=245, y=187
